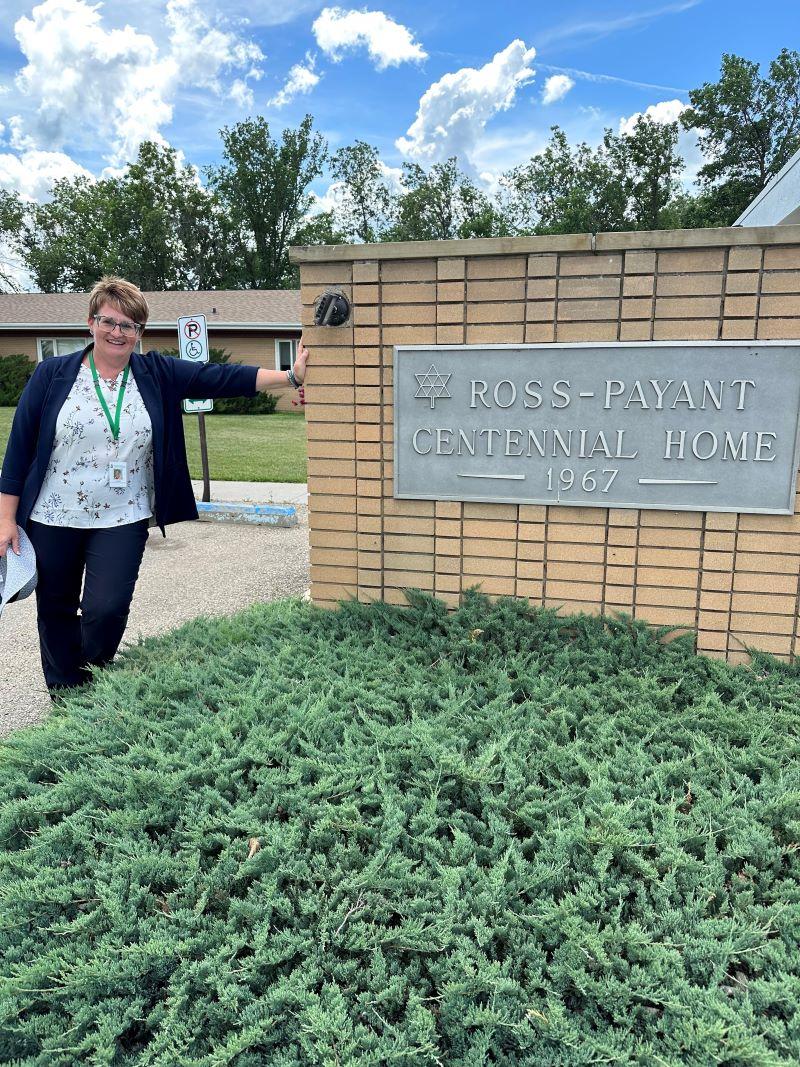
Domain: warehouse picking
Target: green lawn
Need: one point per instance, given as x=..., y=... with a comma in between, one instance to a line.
x=241, y=448
x=381, y=836
x=6, y=415
x=250, y=448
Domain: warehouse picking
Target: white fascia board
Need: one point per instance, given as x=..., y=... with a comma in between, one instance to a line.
x=43, y=325
x=778, y=203
x=231, y=325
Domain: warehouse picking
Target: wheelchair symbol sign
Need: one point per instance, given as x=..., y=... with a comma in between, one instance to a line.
x=193, y=338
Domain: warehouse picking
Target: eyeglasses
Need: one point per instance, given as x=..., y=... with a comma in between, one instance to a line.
x=127, y=329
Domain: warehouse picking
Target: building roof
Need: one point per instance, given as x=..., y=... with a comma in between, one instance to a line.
x=778, y=203
x=234, y=308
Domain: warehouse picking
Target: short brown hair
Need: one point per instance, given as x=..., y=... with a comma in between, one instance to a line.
x=128, y=297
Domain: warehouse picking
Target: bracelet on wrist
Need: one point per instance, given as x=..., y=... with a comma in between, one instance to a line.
x=290, y=376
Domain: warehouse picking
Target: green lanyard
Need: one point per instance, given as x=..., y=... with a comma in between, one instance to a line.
x=113, y=423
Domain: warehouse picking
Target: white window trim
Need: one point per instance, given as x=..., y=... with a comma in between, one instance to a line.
x=40, y=341
x=293, y=342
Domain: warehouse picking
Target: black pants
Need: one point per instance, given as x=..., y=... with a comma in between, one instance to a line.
x=70, y=642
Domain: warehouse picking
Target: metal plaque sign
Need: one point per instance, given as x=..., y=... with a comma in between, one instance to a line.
x=701, y=426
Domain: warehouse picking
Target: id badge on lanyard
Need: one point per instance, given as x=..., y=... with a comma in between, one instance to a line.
x=117, y=468
x=118, y=474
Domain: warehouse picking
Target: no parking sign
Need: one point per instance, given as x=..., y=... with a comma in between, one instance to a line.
x=193, y=346
x=193, y=342
x=193, y=338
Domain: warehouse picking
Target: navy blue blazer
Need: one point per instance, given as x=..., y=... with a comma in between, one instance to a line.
x=162, y=381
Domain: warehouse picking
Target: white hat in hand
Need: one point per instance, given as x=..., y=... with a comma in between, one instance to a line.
x=17, y=572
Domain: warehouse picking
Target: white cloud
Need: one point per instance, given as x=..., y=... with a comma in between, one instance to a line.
x=150, y=12
x=665, y=111
x=388, y=42
x=453, y=112
x=595, y=29
x=302, y=79
x=241, y=93
x=501, y=150
x=593, y=118
x=392, y=177
x=113, y=88
x=80, y=72
x=31, y=173
x=556, y=87
x=203, y=52
x=330, y=200
x=587, y=75
x=20, y=140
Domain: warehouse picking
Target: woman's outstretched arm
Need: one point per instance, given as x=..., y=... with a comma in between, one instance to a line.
x=267, y=379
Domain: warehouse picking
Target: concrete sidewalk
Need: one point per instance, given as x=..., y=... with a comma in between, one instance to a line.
x=200, y=568
x=256, y=492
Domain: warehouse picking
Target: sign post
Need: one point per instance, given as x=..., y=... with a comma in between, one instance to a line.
x=193, y=342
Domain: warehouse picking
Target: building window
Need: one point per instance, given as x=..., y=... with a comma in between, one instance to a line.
x=285, y=354
x=58, y=346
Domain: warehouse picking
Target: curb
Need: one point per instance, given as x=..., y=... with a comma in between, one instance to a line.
x=255, y=514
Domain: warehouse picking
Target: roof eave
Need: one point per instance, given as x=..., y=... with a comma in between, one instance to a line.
x=769, y=208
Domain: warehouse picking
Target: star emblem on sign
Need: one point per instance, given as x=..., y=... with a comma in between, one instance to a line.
x=432, y=385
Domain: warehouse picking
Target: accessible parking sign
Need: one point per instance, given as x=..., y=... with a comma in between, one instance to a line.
x=193, y=346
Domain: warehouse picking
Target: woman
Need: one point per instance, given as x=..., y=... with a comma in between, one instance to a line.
x=95, y=456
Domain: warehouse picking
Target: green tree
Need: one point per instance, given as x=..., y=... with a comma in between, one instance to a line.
x=646, y=166
x=178, y=232
x=319, y=229
x=154, y=224
x=709, y=207
x=74, y=238
x=748, y=126
x=625, y=183
x=442, y=204
x=12, y=222
x=263, y=186
x=367, y=204
x=564, y=190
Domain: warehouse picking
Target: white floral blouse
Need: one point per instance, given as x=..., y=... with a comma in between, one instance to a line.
x=76, y=490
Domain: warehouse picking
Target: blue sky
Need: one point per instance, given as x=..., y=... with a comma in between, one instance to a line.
x=81, y=84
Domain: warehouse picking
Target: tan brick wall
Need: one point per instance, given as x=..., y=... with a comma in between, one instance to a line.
x=10, y=346
x=735, y=579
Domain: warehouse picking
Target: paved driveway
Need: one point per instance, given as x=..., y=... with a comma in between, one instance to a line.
x=200, y=568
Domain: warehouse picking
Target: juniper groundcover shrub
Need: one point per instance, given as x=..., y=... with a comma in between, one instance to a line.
x=386, y=836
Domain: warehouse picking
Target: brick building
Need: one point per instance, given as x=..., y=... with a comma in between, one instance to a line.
x=732, y=577
x=258, y=327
